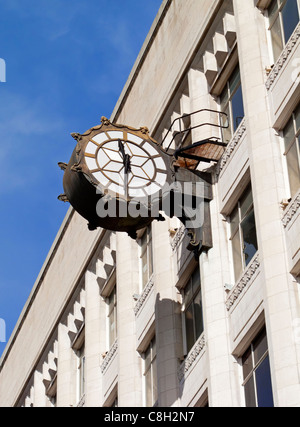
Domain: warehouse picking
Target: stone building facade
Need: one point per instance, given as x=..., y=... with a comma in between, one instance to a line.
x=113, y=321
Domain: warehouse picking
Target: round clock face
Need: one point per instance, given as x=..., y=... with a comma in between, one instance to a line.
x=125, y=163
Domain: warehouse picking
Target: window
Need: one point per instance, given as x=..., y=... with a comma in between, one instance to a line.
x=256, y=371
x=150, y=374
x=115, y=403
x=283, y=19
x=231, y=103
x=192, y=311
x=291, y=134
x=81, y=372
x=243, y=233
x=51, y=391
x=112, y=317
x=146, y=256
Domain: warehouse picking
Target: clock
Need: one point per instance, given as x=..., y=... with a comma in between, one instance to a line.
x=125, y=164
x=115, y=176
x=119, y=178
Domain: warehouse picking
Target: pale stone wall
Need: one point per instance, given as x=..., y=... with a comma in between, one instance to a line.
x=186, y=60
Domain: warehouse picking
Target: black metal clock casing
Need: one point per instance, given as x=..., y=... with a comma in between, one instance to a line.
x=116, y=163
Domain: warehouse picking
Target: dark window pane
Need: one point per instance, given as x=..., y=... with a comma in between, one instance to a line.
x=246, y=202
x=273, y=10
x=293, y=169
x=154, y=379
x=153, y=348
x=150, y=258
x=145, y=271
x=276, y=35
x=290, y=18
x=247, y=363
x=226, y=121
x=260, y=346
x=196, y=280
x=237, y=108
x=148, y=385
x=147, y=358
x=234, y=221
x=297, y=117
x=249, y=237
x=237, y=255
x=264, y=385
x=189, y=328
x=235, y=80
x=198, y=315
x=224, y=97
x=250, y=393
x=188, y=293
x=288, y=134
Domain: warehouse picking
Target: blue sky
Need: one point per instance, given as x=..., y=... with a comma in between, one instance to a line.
x=66, y=64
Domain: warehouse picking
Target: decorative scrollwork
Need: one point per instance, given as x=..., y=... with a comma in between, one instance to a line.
x=291, y=210
x=144, y=295
x=109, y=356
x=244, y=281
x=193, y=356
x=283, y=57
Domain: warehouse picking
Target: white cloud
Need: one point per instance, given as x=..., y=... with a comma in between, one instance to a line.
x=23, y=130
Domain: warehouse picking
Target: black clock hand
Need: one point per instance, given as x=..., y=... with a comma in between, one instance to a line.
x=127, y=166
x=121, y=149
x=126, y=157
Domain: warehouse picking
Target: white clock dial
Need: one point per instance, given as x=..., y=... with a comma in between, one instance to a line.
x=104, y=157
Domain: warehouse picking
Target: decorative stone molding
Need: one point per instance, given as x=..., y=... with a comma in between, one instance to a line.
x=106, y=262
x=231, y=146
x=193, y=356
x=76, y=317
x=178, y=236
x=292, y=209
x=49, y=370
x=113, y=350
x=283, y=57
x=243, y=283
x=144, y=295
x=222, y=45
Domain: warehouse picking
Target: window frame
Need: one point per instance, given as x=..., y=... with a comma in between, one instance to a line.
x=151, y=368
x=81, y=372
x=112, y=310
x=237, y=231
x=271, y=22
x=295, y=140
x=186, y=304
x=228, y=93
x=148, y=250
x=250, y=355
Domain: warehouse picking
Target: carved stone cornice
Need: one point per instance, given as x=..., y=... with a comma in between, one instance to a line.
x=292, y=209
x=283, y=57
x=192, y=357
x=243, y=283
x=231, y=146
x=144, y=295
x=109, y=356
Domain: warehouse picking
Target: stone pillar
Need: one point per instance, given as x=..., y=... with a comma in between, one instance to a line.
x=67, y=370
x=93, y=328
x=167, y=318
x=268, y=191
x=129, y=376
x=214, y=273
x=200, y=100
x=40, y=397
